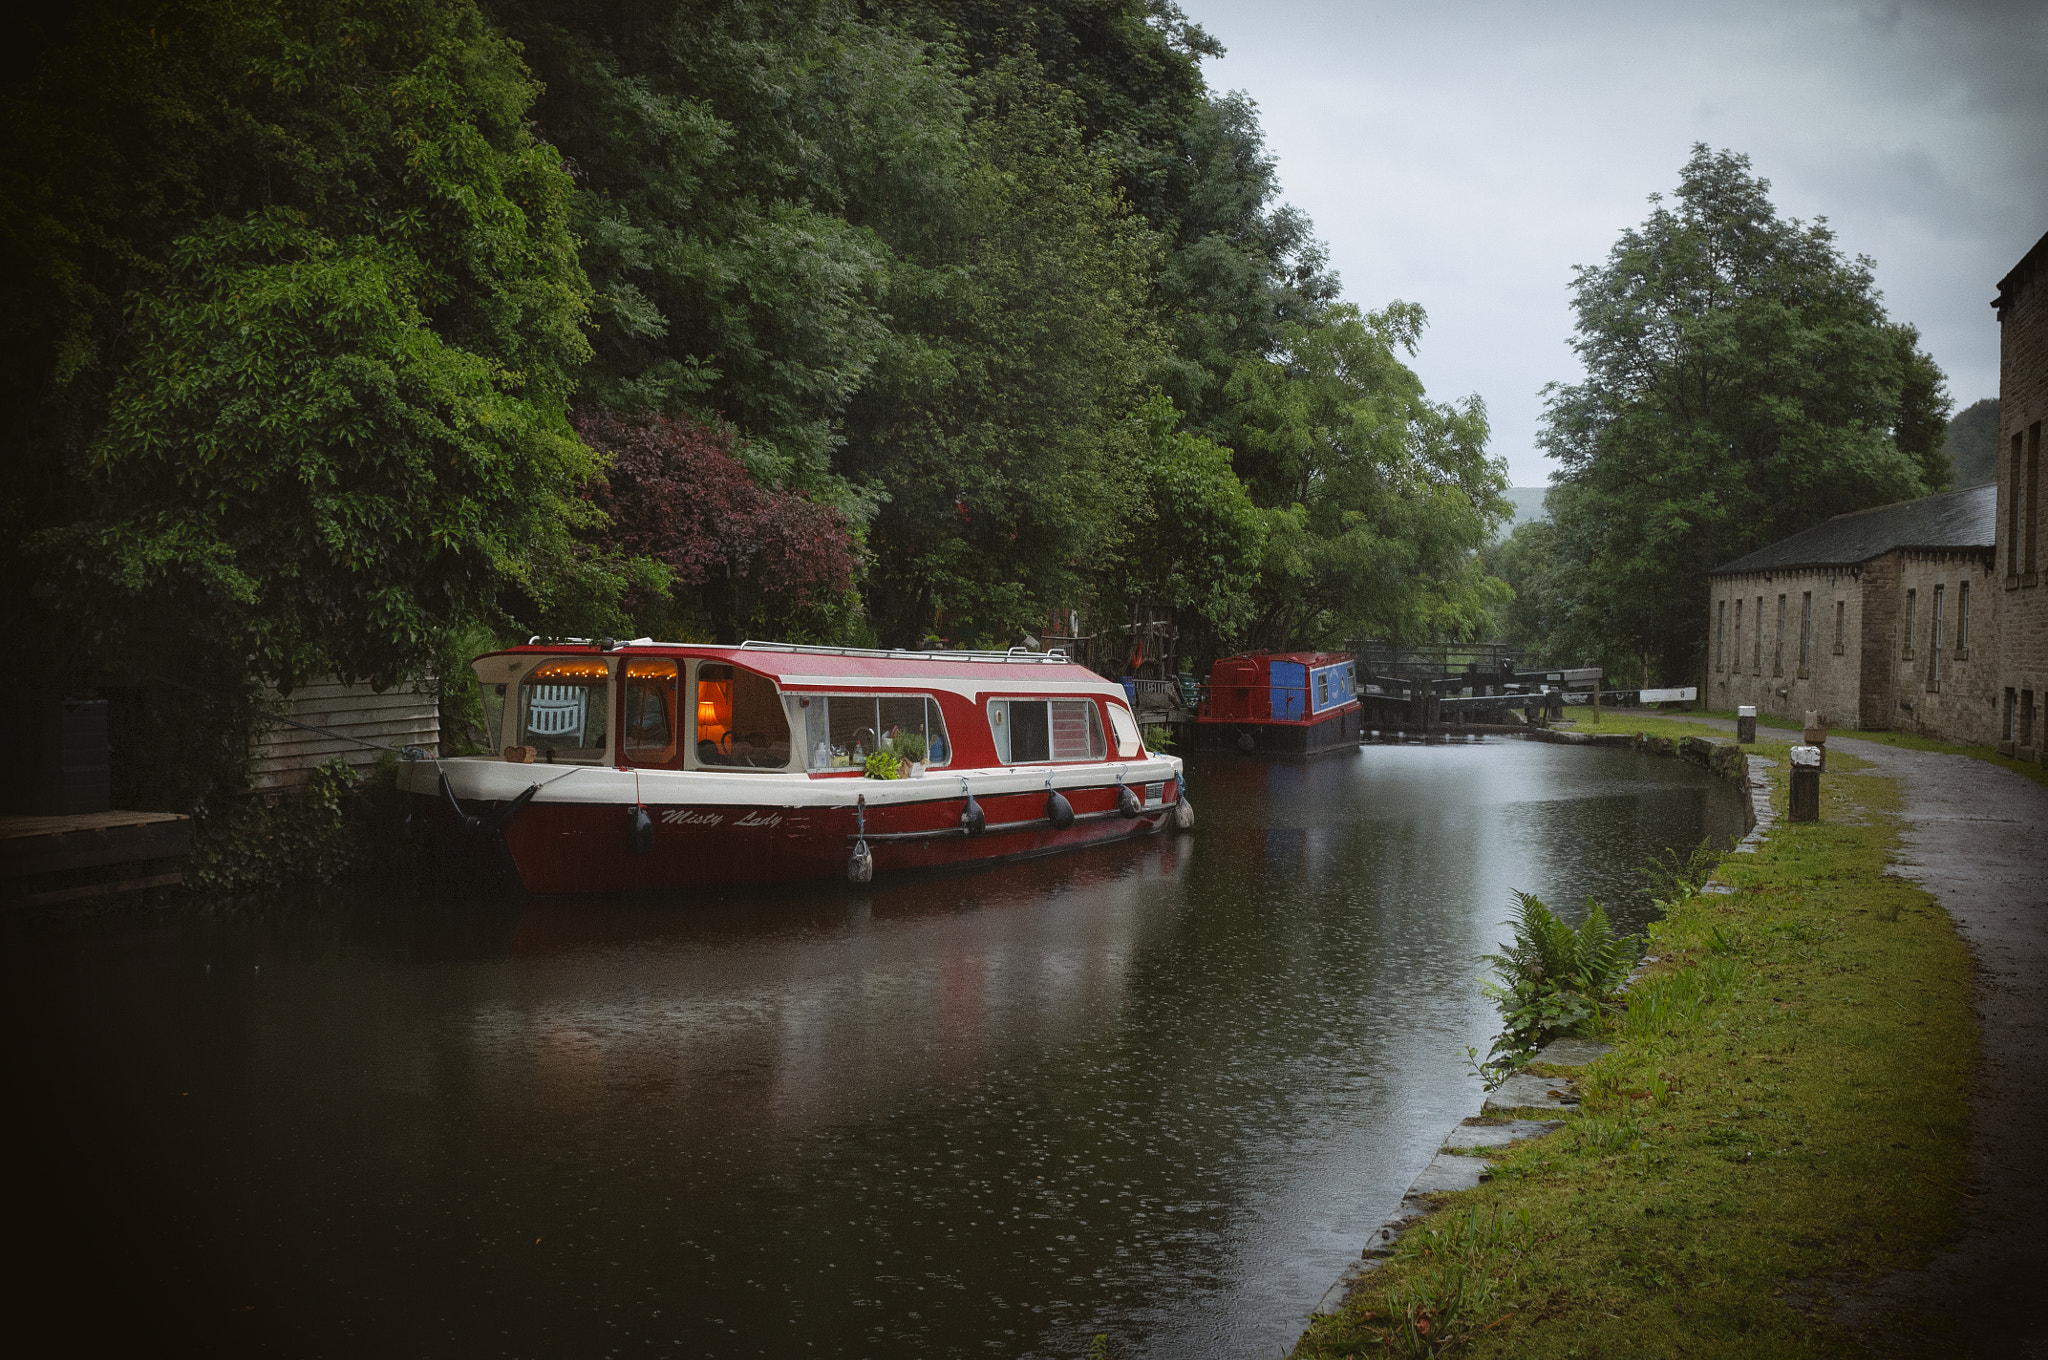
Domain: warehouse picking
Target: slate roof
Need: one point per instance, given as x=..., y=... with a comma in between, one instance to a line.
x=1950, y=519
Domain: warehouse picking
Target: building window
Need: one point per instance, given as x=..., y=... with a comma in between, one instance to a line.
x=1721, y=635
x=2012, y=509
x=1805, y=632
x=2033, y=509
x=1735, y=662
x=1963, y=623
x=1841, y=625
x=1778, y=646
x=1912, y=620
x=1756, y=645
x=2026, y=737
x=2012, y=699
x=1934, y=640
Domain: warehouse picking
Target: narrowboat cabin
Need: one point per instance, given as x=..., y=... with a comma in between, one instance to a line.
x=1286, y=703
x=657, y=766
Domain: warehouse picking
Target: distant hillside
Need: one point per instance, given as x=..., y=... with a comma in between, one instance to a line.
x=1528, y=503
x=1973, y=443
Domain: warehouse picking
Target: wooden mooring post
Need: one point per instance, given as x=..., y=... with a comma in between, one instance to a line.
x=1805, y=799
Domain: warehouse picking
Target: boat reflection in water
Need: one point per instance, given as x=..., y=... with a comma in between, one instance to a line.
x=1160, y=1090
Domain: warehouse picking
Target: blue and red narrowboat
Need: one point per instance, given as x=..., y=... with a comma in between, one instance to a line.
x=664, y=766
x=1287, y=703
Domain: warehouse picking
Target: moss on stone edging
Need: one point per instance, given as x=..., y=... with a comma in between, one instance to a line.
x=1785, y=1112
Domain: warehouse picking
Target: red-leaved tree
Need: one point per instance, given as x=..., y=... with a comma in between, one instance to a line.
x=761, y=560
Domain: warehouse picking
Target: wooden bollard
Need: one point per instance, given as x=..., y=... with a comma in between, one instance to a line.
x=1745, y=724
x=1805, y=784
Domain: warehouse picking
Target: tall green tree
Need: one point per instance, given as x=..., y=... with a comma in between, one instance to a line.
x=993, y=419
x=320, y=310
x=1378, y=498
x=1742, y=382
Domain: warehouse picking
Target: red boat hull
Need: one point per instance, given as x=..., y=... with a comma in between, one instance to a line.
x=587, y=847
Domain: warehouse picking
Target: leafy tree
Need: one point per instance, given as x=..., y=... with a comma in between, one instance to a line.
x=763, y=562
x=744, y=169
x=1742, y=382
x=1193, y=539
x=322, y=307
x=1377, y=498
x=1971, y=445
x=991, y=422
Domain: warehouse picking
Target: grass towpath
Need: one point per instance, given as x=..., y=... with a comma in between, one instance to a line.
x=1784, y=1118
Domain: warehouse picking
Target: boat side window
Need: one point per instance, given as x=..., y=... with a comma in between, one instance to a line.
x=842, y=730
x=565, y=711
x=1046, y=731
x=652, y=701
x=1129, y=746
x=1322, y=689
x=740, y=721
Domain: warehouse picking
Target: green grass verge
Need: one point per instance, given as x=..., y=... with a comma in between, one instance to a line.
x=1785, y=1114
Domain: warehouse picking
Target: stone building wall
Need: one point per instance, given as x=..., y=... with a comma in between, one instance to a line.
x=1878, y=706
x=1750, y=669
x=2022, y=570
x=1943, y=674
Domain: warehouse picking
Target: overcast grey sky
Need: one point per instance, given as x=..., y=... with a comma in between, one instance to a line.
x=1466, y=155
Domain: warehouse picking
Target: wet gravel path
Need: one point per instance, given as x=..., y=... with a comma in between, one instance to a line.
x=1977, y=839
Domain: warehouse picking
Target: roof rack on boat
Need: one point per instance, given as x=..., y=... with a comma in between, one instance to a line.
x=537, y=640
x=1013, y=654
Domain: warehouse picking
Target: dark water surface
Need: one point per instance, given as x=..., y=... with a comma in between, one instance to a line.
x=1160, y=1090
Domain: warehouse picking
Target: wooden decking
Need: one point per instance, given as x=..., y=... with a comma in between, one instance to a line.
x=50, y=860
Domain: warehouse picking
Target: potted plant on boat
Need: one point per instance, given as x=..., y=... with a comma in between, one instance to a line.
x=910, y=750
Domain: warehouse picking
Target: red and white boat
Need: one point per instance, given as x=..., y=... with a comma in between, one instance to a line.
x=649, y=765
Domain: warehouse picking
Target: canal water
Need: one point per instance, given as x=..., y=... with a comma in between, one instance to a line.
x=1160, y=1090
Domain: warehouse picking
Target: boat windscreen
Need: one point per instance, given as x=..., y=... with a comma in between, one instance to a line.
x=565, y=711
x=740, y=722
x=652, y=700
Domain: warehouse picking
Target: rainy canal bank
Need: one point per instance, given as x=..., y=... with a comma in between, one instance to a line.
x=1160, y=1090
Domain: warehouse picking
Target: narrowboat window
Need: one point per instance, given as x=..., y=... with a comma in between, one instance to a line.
x=653, y=694
x=1129, y=745
x=1041, y=731
x=565, y=711
x=740, y=723
x=842, y=730
x=1322, y=689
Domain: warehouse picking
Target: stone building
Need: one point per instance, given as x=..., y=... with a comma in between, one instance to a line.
x=2022, y=679
x=1876, y=619
x=1926, y=616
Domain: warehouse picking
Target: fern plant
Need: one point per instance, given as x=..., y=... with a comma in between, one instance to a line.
x=1674, y=881
x=1550, y=979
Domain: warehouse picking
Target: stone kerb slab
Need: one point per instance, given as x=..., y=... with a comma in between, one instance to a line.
x=1523, y=1091
x=1447, y=1173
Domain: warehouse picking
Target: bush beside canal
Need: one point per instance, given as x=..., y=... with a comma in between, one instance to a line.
x=337, y=824
x=1784, y=1114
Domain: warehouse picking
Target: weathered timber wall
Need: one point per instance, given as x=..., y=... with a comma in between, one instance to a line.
x=282, y=756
